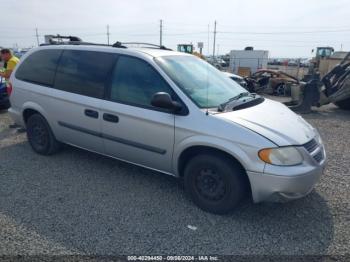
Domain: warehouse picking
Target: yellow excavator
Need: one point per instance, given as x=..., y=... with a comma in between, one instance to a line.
x=189, y=49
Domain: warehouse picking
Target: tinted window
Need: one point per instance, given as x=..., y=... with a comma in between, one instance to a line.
x=39, y=67
x=135, y=82
x=84, y=72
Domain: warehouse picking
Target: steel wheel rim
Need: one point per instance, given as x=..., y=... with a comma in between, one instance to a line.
x=210, y=185
x=39, y=136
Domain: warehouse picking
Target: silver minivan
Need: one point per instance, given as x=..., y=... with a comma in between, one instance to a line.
x=167, y=111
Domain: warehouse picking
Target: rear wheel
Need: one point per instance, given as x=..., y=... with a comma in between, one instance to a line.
x=344, y=104
x=40, y=136
x=215, y=183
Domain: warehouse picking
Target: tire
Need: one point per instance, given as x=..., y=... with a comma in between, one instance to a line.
x=215, y=183
x=40, y=136
x=344, y=104
x=280, y=89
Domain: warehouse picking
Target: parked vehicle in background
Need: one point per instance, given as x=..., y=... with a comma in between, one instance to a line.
x=167, y=111
x=217, y=62
x=293, y=63
x=238, y=79
x=273, y=82
x=4, y=99
x=305, y=62
x=20, y=53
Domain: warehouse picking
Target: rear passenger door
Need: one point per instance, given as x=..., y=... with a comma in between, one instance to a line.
x=75, y=100
x=132, y=129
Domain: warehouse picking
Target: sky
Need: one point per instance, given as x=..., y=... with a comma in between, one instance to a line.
x=286, y=28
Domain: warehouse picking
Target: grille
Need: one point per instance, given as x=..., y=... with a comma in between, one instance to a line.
x=311, y=145
x=319, y=156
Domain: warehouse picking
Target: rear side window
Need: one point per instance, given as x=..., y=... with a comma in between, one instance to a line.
x=39, y=67
x=84, y=72
x=135, y=82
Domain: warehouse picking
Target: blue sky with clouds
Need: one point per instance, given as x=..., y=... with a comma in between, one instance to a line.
x=284, y=27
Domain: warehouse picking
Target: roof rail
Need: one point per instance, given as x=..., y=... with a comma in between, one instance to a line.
x=74, y=43
x=74, y=40
x=120, y=44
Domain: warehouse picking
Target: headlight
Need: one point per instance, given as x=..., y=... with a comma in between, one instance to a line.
x=281, y=156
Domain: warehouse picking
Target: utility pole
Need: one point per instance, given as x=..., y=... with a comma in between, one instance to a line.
x=108, y=34
x=214, y=39
x=37, y=36
x=161, y=33
x=298, y=68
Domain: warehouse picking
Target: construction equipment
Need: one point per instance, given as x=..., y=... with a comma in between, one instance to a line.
x=185, y=48
x=334, y=87
x=189, y=49
x=321, y=53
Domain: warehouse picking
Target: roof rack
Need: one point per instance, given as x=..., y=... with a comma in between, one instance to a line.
x=74, y=40
x=59, y=39
x=149, y=45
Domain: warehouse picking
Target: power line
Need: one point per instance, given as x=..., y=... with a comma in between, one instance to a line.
x=284, y=33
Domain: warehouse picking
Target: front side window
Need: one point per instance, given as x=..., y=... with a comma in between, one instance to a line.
x=39, y=67
x=135, y=82
x=84, y=72
x=204, y=84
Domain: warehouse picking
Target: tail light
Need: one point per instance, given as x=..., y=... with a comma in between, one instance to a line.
x=9, y=89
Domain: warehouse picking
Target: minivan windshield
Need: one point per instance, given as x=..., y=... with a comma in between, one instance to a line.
x=205, y=85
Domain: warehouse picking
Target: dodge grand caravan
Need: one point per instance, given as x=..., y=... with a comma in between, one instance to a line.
x=167, y=111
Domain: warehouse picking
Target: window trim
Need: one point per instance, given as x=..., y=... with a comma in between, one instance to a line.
x=184, y=111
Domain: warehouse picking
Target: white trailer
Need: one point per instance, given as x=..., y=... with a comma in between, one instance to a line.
x=248, y=61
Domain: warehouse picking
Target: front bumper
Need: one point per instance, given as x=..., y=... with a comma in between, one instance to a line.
x=281, y=184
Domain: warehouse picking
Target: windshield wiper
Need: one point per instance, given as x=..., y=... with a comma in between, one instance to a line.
x=222, y=106
x=236, y=103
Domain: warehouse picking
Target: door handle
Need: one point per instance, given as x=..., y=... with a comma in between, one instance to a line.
x=91, y=113
x=111, y=118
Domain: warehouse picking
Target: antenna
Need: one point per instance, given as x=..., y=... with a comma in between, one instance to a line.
x=214, y=40
x=108, y=34
x=207, y=111
x=37, y=36
x=161, y=33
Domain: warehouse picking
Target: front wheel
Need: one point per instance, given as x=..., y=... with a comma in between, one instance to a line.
x=40, y=136
x=215, y=183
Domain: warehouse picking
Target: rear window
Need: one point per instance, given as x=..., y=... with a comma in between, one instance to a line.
x=84, y=72
x=39, y=67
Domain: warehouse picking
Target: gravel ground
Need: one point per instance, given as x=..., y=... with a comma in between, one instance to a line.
x=77, y=202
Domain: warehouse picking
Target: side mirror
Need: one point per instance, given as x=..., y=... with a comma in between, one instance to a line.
x=163, y=100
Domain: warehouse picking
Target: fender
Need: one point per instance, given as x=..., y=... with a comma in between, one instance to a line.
x=36, y=107
x=245, y=154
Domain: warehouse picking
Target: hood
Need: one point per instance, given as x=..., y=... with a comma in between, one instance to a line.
x=274, y=121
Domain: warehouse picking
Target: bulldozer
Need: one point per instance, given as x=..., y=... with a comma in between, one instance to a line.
x=332, y=87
